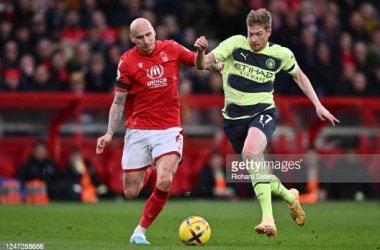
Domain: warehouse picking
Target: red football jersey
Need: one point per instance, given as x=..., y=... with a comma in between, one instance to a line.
x=152, y=85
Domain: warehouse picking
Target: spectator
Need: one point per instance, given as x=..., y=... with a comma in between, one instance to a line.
x=330, y=32
x=212, y=181
x=88, y=7
x=77, y=83
x=58, y=71
x=40, y=167
x=359, y=86
x=81, y=179
x=326, y=72
x=72, y=33
x=23, y=12
x=96, y=78
x=275, y=8
x=12, y=81
x=56, y=15
x=305, y=53
x=41, y=80
x=289, y=33
x=162, y=32
x=95, y=40
x=360, y=56
x=108, y=34
x=185, y=87
x=23, y=40
x=6, y=27
x=44, y=51
x=308, y=17
x=189, y=35
x=150, y=16
x=82, y=59
x=27, y=67
x=352, y=179
x=312, y=179
x=10, y=55
x=39, y=28
x=216, y=84
x=356, y=27
x=123, y=39
x=346, y=51
x=374, y=49
x=112, y=61
x=369, y=17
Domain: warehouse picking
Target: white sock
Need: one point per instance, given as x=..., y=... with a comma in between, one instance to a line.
x=140, y=231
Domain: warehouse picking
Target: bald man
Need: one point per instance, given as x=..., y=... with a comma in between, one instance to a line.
x=149, y=75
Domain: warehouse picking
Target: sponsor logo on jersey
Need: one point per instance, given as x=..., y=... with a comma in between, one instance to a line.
x=155, y=73
x=253, y=73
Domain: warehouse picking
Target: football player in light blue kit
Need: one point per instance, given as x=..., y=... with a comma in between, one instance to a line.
x=251, y=64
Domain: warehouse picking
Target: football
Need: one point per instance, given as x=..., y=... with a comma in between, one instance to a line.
x=194, y=231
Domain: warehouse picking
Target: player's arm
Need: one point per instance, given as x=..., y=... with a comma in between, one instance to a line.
x=203, y=61
x=115, y=115
x=304, y=83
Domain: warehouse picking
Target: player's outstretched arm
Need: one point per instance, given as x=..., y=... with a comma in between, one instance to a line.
x=303, y=81
x=116, y=113
x=201, y=60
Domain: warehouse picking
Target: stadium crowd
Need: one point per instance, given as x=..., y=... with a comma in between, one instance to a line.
x=74, y=46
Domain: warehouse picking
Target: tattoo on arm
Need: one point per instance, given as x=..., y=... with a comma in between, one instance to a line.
x=116, y=111
x=131, y=183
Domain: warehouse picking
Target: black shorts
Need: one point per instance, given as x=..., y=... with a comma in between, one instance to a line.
x=237, y=130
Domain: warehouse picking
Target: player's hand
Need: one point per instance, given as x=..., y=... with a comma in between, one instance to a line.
x=102, y=143
x=324, y=115
x=220, y=66
x=201, y=44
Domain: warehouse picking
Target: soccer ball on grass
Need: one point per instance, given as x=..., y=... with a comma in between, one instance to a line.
x=194, y=231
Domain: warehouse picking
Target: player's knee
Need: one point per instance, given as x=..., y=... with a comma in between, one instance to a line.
x=253, y=149
x=250, y=153
x=130, y=194
x=164, y=183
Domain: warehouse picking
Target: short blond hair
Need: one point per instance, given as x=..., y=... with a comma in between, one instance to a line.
x=260, y=17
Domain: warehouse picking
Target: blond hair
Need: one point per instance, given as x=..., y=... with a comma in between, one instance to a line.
x=260, y=17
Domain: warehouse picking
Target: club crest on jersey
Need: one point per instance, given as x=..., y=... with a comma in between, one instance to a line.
x=164, y=57
x=155, y=72
x=270, y=63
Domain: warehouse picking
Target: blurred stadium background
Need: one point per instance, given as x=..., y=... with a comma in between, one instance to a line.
x=58, y=66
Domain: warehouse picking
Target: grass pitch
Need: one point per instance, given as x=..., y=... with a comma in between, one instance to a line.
x=108, y=225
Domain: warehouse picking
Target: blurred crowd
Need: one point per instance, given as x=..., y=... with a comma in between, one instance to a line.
x=74, y=46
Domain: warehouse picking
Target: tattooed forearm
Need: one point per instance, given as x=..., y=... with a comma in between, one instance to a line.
x=131, y=183
x=116, y=111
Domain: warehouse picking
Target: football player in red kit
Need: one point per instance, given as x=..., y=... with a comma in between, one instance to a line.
x=149, y=75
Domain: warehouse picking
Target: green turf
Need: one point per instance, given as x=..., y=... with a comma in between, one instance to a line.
x=108, y=225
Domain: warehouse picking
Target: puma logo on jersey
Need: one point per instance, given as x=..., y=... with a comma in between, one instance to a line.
x=245, y=56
